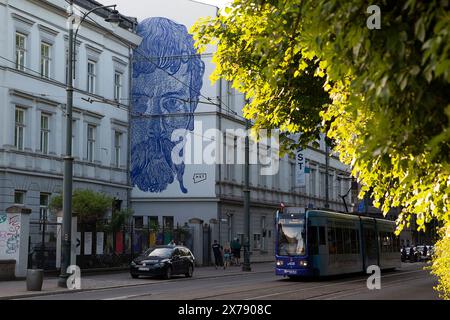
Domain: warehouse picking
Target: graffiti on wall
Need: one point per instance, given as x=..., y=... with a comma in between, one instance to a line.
x=9, y=235
x=167, y=79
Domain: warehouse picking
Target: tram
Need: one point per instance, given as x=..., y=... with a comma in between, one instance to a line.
x=312, y=242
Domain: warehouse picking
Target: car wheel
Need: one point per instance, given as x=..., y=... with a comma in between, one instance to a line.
x=134, y=276
x=168, y=274
x=190, y=271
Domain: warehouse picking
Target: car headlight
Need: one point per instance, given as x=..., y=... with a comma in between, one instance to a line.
x=280, y=263
x=303, y=263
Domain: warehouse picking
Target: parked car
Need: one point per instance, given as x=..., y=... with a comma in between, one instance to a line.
x=408, y=257
x=164, y=261
x=420, y=251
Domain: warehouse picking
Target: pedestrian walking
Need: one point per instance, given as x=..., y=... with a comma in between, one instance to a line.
x=226, y=256
x=404, y=254
x=217, y=250
x=236, y=250
x=412, y=256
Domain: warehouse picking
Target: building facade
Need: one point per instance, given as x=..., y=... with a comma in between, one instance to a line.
x=33, y=77
x=204, y=191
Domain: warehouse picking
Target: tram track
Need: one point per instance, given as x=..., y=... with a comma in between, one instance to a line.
x=285, y=288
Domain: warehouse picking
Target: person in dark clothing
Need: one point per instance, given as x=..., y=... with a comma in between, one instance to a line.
x=412, y=256
x=236, y=250
x=403, y=254
x=217, y=250
x=425, y=252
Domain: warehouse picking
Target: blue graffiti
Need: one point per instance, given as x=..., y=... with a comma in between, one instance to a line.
x=167, y=79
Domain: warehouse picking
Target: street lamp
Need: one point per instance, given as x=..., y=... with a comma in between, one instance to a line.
x=114, y=18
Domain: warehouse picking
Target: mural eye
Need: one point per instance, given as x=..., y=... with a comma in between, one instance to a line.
x=174, y=105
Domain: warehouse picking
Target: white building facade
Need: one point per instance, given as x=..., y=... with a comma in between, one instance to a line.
x=207, y=196
x=33, y=72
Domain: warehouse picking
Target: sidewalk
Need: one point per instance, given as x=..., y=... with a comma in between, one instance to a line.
x=90, y=282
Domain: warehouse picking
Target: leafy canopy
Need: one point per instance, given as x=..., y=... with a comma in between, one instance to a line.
x=386, y=103
x=89, y=206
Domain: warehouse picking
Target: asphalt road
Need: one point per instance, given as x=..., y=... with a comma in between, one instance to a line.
x=409, y=283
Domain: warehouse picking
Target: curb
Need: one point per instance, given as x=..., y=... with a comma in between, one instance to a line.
x=51, y=293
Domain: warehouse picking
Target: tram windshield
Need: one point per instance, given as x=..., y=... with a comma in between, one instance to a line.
x=291, y=237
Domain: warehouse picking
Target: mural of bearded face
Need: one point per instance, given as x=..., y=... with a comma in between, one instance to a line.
x=167, y=79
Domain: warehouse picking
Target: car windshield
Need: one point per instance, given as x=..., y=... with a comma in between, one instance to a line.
x=159, y=252
x=291, y=237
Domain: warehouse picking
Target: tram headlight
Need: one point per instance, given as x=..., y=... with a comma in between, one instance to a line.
x=280, y=263
x=303, y=263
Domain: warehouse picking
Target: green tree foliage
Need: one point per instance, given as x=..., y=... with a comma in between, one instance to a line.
x=89, y=206
x=388, y=111
x=119, y=219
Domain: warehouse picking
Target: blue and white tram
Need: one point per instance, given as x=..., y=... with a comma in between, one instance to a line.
x=324, y=243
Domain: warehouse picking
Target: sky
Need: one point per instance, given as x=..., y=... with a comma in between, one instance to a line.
x=133, y=8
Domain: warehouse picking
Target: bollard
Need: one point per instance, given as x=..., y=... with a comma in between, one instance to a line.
x=35, y=278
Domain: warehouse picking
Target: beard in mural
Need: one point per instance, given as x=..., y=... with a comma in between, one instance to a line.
x=167, y=79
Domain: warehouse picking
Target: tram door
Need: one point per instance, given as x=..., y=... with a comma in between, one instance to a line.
x=370, y=245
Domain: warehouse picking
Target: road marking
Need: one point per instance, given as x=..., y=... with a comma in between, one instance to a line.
x=128, y=297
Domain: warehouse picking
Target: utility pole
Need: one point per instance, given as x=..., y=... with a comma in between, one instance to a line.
x=327, y=164
x=246, y=266
x=68, y=164
x=113, y=18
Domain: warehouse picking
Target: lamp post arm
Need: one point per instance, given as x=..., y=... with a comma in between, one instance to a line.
x=78, y=28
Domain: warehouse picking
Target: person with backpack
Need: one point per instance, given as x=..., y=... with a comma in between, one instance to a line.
x=217, y=250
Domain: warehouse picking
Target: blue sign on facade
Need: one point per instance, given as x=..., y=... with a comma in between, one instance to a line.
x=361, y=207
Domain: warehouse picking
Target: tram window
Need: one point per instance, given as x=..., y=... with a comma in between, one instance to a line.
x=396, y=243
x=331, y=240
x=371, y=242
x=339, y=243
x=347, y=243
x=322, y=236
x=383, y=242
x=357, y=241
x=354, y=241
x=386, y=241
x=312, y=238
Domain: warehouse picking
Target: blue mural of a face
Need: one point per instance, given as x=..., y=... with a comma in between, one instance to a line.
x=167, y=79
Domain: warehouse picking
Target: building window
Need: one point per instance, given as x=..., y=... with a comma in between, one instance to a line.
x=45, y=59
x=91, y=77
x=117, y=86
x=312, y=183
x=19, y=132
x=45, y=133
x=43, y=207
x=117, y=148
x=322, y=185
x=256, y=241
x=21, y=51
x=139, y=222
x=90, y=143
x=292, y=168
x=230, y=95
x=19, y=197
